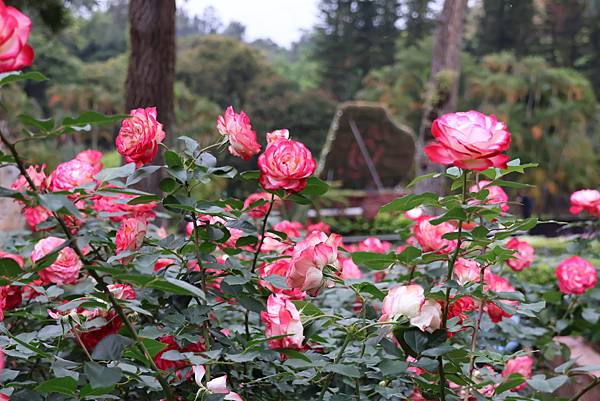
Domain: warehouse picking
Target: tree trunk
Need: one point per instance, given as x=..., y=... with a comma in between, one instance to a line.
x=151, y=71
x=442, y=89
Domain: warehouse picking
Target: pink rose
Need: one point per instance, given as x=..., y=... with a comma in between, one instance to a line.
x=349, y=270
x=402, y=300
x=309, y=259
x=258, y=212
x=118, y=208
x=36, y=215
x=587, y=200
x=373, y=244
x=282, y=319
x=524, y=256
x=238, y=130
x=290, y=228
x=37, y=175
x=131, y=234
x=217, y=385
x=280, y=267
x=122, y=291
x=576, y=275
x=66, y=267
x=469, y=140
x=162, y=263
x=277, y=134
x=466, y=271
x=409, y=301
x=496, y=195
x=415, y=213
x=140, y=136
x=15, y=26
x=320, y=226
x=430, y=236
x=495, y=283
x=520, y=365
x=71, y=174
x=285, y=164
x=92, y=157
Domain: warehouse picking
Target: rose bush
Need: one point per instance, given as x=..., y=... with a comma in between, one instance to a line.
x=226, y=299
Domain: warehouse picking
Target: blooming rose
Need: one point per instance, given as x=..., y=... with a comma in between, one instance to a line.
x=309, y=258
x=100, y=323
x=290, y=228
x=409, y=301
x=140, y=136
x=11, y=295
x=71, y=174
x=92, y=157
x=37, y=175
x=282, y=319
x=131, y=234
x=162, y=263
x=495, y=283
x=280, y=267
x=238, y=130
x=460, y=306
x=285, y=164
x=258, y=212
x=576, y=275
x=166, y=364
x=469, y=140
x=520, y=365
x=523, y=258
x=217, y=385
x=36, y=215
x=117, y=207
x=277, y=134
x=15, y=26
x=65, y=269
x=122, y=291
x=430, y=236
x=587, y=200
x=373, y=244
x=349, y=270
x=320, y=226
x=466, y=271
x=496, y=195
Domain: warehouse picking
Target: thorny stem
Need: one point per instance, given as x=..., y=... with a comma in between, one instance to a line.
x=329, y=376
x=451, y=264
x=587, y=388
x=89, y=267
x=476, y=332
x=255, y=260
x=205, y=329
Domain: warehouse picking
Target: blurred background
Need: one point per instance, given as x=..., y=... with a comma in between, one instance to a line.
x=291, y=63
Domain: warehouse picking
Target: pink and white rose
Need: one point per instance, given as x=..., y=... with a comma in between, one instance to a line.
x=66, y=267
x=576, y=275
x=238, y=130
x=140, y=136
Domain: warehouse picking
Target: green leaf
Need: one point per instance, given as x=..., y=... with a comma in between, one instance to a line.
x=409, y=255
x=456, y=213
x=63, y=385
x=250, y=175
x=369, y=288
x=390, y=367
x=307, y=308
x=21, y=76
x=343, y=370
x=315, y=187
x=44, y=125
x=172, y=159
x=141, y=173
x=144, y=199
x=540, y=383
x=109, y=174
x=512, y=381
x=374, y=261
x=91, y=118
x=111, y=347
x=410, y=202
x=101, y=376
x=9, y=268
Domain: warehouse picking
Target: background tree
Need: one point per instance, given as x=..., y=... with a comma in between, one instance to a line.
x=151, y=72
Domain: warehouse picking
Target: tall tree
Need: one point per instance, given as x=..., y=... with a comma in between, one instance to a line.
x=442, y=91
x=151, y=71
x=507, y=25
x=354, y=37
